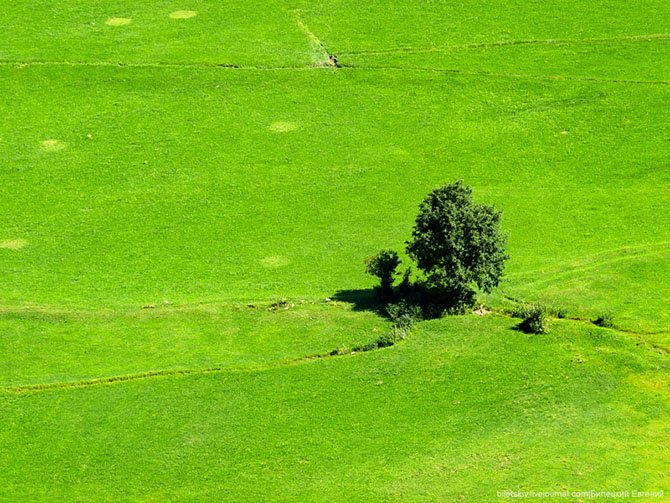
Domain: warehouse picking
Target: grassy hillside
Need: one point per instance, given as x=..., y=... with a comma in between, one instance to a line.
x=169, y=171
x=465, y=408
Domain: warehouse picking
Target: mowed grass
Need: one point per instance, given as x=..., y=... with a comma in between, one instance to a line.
x=467, y=407
x=210, y=155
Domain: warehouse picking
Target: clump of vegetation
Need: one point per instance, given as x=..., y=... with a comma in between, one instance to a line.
x=605, y=319
x=281, y=304
x=536, y=320
x=520, y=310
x=403, y=316
x=458, y=244
x=383, y=265
x=561, y=312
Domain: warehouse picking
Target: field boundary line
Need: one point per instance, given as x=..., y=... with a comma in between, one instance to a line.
x=332, y=64
x=122, y=64
x=482, y=73
x=483, y=45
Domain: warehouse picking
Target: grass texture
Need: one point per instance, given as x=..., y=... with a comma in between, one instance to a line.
x=169, y=171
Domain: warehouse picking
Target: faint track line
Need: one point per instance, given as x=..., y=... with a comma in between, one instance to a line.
x=613, y=256
x=330, y=65
x=326, y=59
x=507, y=75
x=120, y=64
x=410, y=50
x=86, y=383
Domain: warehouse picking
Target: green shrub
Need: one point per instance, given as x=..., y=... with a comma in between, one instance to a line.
x=605, y=319
x=520, y=310
x=536, y=320
x=561, y=312
x=387, y=340
x=383, y=265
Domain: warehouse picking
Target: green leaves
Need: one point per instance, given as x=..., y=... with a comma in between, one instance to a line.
x=457, y=242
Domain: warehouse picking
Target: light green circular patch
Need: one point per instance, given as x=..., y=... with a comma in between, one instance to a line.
x=13, y=244
x=183, y=14
x=118, y=21
x=53, y=145
x=283, y=127
x=277, y=261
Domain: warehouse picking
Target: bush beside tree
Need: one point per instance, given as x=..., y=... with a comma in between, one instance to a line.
x=456, y=243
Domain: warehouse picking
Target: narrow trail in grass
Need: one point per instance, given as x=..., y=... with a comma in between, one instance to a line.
x=419, y=50
x=614, y=255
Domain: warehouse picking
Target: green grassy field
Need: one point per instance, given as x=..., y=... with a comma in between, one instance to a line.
x=168, y=171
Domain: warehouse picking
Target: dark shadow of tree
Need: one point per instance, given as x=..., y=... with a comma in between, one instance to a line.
x=362, y=299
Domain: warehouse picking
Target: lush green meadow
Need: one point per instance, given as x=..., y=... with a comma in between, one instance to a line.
x=169, y=171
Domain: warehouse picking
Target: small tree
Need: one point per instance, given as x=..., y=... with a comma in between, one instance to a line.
x=458, y=244
x=383, y=265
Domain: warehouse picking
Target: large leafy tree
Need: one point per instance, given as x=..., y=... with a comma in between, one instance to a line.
x=458, y=243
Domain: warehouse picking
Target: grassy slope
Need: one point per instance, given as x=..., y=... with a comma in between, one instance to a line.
x=199, y=184
x=465, y=408
x=637, y=60
x=185, y=191
x=250, y=33
x=351, y=26
x=49, y=347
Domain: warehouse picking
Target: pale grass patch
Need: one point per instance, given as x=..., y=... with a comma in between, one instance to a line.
x=183, y=14
x=13, y=244
x=118, y=21
x=275, y=261
x=53, y=145
x=283, y=127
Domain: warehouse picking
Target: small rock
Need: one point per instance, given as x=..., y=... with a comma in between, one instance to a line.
x=328, y=299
